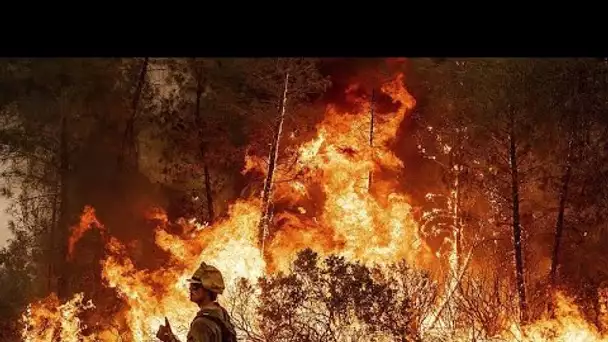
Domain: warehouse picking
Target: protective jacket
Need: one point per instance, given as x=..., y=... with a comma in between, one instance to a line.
x=211, y=324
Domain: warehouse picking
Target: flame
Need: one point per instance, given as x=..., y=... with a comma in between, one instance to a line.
x=88, y=220
x=157, y=214
x=230, y=245
x=373, y=227
x=48, y=320
x=568, y=325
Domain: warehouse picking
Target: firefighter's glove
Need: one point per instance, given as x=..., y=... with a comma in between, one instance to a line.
x=165, y=334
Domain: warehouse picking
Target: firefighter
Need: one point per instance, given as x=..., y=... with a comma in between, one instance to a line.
x=212, y=322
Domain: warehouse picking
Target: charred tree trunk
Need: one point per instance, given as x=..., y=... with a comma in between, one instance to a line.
x=559, y=226
x=129, y=149
x=371, y=140
x=208, y=193
x=573, y=122
x=63, y=224
x=202, y=145
x=272, y=161
x=51, y=245
x=517, y=241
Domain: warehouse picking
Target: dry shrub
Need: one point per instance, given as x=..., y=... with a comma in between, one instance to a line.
x=334, y=300
x=485, y=305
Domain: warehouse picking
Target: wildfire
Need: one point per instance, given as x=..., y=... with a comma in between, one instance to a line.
x=347, y=216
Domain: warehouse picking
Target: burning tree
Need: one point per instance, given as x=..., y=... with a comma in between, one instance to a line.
x=279, y=83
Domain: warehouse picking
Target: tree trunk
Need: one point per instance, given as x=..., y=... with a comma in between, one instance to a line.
x=559, y=226
x=517, y=246
x=371, y=140
x=573, y=121
x=51, y=245
x=272, y=161
x=129, y=149
x=63, y=224
x=202, y=146
x=209, y=195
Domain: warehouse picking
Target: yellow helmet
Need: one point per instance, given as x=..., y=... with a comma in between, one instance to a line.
x=209, y=277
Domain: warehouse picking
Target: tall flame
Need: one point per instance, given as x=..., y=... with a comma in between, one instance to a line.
x=354, y=221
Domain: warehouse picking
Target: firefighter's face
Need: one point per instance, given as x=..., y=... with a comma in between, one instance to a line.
x=197, y=293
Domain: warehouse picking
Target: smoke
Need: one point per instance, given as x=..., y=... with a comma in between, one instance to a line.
x=354, y=79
